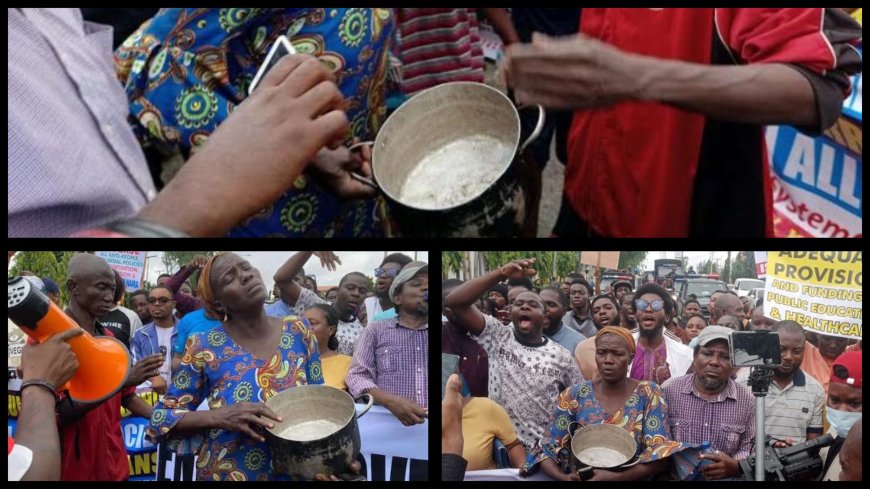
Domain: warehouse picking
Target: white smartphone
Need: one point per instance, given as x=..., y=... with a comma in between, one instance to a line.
x=281, y=48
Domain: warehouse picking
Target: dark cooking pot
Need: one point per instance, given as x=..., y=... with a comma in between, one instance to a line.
x=468, y=134
x=319, y=434
x=602, y=446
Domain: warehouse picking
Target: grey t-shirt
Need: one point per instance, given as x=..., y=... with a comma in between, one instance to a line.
x=568, y=338
x=585, y=327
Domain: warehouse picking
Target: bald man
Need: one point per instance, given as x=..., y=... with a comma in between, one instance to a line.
x=727, y=305
x=730, y=321
x=92, y=446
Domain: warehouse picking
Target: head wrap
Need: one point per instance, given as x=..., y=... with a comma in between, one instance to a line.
x=621, y=332
x=206, y=292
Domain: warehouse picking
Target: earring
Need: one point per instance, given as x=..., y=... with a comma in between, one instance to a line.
x=226, y=316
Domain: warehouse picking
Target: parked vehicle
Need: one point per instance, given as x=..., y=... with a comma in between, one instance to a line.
x=702, y=288
x=742, y=286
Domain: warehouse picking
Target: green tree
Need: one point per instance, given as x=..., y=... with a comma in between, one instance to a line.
x=706, y=267
x=451, y=261
x=51, y=264
x=565, y=262
x=744, y=265
x=631, y=259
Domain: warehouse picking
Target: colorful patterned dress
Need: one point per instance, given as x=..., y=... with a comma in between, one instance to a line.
x=187, y=69
x=216, y=369
x=644, y=416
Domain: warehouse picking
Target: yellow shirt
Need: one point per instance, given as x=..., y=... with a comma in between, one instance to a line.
x=335, y=370
x=857, y=15
x=483, y=421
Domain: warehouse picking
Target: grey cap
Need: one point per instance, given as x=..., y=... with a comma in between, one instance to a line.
x=711, y=333
x=408, y=272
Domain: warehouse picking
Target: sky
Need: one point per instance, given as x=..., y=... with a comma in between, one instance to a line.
x=268, y=263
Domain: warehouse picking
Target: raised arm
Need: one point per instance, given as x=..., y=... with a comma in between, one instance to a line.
x=461, y=300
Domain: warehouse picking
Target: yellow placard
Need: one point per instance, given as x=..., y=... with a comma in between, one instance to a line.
x=150, y=398
x=821, y=291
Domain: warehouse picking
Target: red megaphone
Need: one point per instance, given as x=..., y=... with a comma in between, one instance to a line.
x=104, y=362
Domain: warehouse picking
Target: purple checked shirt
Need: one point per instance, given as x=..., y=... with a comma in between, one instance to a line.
x=74, y=163
x=393, y=358
x=728, y=422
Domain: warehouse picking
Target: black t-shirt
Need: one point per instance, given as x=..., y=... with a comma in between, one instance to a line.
x=550, y=21
x=119, y=323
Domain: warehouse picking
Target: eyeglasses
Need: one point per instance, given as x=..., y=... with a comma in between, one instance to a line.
x=389, y=273
x=641, y=305
x=162, y=300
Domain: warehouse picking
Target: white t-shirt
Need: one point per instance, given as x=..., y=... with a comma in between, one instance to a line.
x=347, y=333
x=164, y=338
x=526, y=380
x=373, y=306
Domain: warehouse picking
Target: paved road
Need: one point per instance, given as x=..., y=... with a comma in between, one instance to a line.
x=553, y=181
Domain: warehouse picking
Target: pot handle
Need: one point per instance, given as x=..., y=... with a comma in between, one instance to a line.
x=542, y=119
x=579, y=425
x=356, y=176
x=368, y=405
x=632, y=464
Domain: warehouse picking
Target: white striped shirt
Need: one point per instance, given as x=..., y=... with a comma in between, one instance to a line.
x=794, y=410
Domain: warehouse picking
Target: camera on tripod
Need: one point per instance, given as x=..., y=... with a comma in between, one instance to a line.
x=793, y=463
x=755, y=349
x=760, y=351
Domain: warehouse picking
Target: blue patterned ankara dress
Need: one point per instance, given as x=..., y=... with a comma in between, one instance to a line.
x=216, y=369
x=185, y=71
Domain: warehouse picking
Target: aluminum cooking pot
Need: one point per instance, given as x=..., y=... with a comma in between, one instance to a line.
x=319, y=434
x=446, y=159
x=602, y=446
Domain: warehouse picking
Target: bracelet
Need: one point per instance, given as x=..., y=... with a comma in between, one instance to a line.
x=44, y=385
x=138, y=228
x=131, y=228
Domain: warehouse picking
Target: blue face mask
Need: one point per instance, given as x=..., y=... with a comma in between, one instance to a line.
x=842, y=421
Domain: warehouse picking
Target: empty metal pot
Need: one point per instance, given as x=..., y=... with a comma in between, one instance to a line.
x=319, y=434
x=468, y=136
x=602, y=446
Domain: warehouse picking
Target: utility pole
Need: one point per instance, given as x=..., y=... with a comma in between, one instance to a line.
x=554, y=266
x=728, y=268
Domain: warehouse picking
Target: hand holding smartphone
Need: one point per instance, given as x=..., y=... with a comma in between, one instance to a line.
x=282, y=47
x=449, y=364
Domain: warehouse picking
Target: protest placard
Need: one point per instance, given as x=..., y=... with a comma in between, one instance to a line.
x=820, y=290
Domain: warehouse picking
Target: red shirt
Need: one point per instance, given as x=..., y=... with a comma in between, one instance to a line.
x=92, y=447
x=680, y=174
